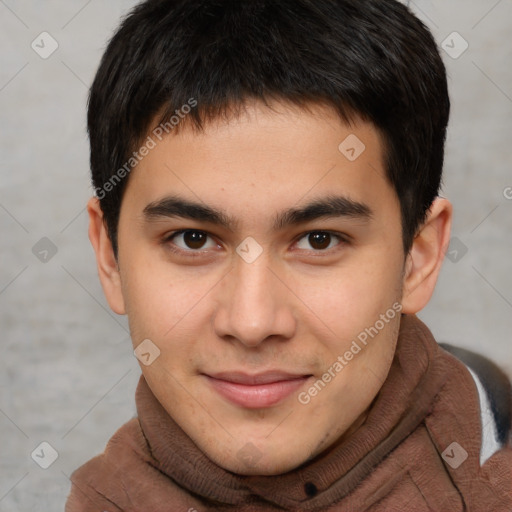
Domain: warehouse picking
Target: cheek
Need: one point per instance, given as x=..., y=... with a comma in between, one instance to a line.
x=168, y=305
x=154, y=297
x=355, y=295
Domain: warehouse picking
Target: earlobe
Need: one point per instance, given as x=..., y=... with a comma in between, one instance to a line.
x=426, y=256
x=108, y=269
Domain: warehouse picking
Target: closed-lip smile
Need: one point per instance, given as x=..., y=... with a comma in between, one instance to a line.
x=256, y=391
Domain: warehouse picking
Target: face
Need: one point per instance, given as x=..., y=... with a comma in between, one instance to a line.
x=265, y=263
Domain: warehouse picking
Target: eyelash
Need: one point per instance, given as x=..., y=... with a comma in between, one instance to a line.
x=342, y=239
x=191, y=253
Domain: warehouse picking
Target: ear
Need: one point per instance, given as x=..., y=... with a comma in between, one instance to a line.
x=108, y=269
x=424, y=260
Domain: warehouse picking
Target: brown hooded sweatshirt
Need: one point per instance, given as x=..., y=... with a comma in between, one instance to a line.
x=417, y=451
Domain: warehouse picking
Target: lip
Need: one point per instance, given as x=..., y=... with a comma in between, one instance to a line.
x=256, y=391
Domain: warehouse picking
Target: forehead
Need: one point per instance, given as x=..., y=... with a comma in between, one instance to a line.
x=264, y=159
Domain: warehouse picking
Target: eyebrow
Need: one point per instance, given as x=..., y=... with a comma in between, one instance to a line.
x=328, y=207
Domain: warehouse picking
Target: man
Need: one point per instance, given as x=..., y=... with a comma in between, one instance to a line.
x=267, y=214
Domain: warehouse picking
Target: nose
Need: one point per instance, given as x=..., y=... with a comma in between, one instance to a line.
x=254, y=305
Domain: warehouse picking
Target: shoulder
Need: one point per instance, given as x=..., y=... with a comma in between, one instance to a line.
x=494, y=395
x=101, y=477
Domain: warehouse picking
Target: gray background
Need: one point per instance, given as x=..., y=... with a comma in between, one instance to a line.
x=67, y=373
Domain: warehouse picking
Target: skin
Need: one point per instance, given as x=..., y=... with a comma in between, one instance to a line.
x=296, y=308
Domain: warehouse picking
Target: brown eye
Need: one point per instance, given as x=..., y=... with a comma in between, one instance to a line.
x=319, y=240
x=192, y=240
